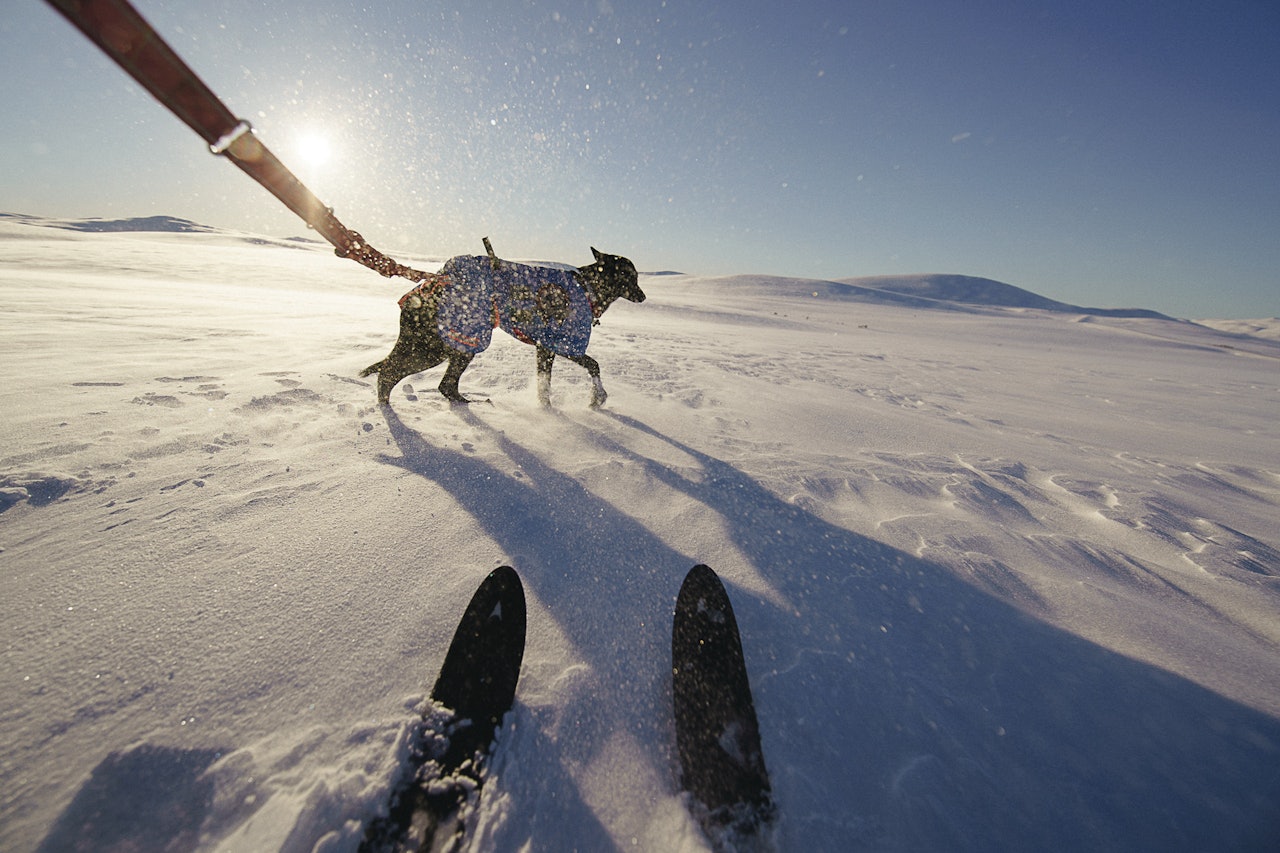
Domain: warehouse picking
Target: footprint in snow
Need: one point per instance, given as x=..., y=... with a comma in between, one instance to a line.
x=152, y=399
x=283, y=399
x=208, y=393
x=349, y=380
x=37, y=488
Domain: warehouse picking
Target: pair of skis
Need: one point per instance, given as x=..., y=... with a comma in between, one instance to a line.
x=717, y=734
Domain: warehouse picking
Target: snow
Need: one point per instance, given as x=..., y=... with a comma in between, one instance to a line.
x=1263, y=328
x=1006, y=576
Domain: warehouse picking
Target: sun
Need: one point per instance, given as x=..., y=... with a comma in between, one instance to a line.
x=314, y=149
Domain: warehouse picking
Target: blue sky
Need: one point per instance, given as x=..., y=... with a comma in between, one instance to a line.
x=1101, y=153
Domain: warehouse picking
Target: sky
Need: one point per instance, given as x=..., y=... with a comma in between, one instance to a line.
x=1107, y=154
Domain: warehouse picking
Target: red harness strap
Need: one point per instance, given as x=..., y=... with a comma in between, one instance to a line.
x=432, y=283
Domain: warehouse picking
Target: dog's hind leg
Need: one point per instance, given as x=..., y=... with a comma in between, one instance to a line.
x=458, y=363
x=372, y=369
x=391, y=374
x=405, y=359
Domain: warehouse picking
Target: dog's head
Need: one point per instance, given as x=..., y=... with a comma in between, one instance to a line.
x=613, y=276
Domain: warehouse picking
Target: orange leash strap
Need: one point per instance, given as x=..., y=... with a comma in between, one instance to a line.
x=125, y=36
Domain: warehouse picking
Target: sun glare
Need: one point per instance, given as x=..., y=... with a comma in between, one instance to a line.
x=314, y=149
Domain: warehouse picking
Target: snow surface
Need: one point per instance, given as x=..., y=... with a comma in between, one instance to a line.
x=1007, y=577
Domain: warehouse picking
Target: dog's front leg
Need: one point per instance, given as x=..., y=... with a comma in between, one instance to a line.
x=597, y=392
x=598, y=396
x=546, y=358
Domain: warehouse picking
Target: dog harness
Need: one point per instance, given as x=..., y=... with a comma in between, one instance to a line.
x=538, y=305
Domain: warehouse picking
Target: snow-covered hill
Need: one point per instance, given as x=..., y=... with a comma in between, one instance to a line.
x=1268, y=327
x=1006, y=576
x=971, y=290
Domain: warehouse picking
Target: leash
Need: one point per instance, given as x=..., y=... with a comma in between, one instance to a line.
x=125, y=36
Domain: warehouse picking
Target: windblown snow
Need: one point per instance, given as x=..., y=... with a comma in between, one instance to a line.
x=1008, y=577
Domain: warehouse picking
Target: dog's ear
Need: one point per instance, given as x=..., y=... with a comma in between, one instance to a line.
x=596, y=252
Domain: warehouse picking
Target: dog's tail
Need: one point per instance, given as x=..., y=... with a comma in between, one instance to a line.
x=372, y=369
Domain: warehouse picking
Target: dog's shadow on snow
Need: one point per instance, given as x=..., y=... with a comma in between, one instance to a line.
x=573, y=552
x=900, y=707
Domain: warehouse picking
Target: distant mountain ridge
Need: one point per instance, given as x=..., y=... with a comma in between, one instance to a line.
x=169, y=224
x=973, y=290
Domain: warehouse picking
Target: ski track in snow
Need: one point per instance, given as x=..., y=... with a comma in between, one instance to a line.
x=1006, y=579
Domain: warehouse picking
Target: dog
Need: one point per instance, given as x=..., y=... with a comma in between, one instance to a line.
x=451, y=317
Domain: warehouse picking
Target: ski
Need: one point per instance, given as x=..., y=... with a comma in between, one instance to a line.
x=451, y=743
x=717, y=734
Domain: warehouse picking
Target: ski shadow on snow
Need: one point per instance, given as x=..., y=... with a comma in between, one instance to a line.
x=955, y=721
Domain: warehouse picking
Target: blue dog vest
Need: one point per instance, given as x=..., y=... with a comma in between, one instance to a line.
x=538, y=305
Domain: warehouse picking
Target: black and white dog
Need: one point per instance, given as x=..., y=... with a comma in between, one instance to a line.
x=451, y=317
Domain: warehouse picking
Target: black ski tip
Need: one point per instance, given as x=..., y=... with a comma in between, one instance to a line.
x=477, y=686
x=717, y=733
x=702, y=576
x=480, y=671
